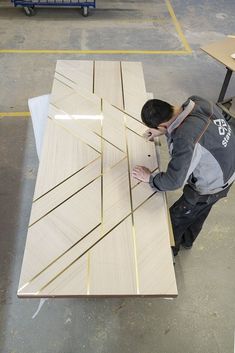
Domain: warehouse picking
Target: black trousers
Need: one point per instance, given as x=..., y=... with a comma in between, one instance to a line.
x=189, y=213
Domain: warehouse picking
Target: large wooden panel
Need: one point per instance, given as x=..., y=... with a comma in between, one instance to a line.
x=93, y=229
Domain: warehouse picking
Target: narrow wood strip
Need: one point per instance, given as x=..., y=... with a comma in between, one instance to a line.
x=108, y=82
x=134, y=87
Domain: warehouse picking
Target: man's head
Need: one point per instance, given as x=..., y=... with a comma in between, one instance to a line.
x=156, y=112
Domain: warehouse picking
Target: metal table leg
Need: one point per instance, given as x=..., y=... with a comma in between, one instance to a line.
x=225, y=85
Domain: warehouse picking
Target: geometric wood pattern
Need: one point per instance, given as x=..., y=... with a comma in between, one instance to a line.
x=94, y=230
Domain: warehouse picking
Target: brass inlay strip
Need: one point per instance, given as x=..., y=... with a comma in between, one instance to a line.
x=102, y=172
x=130, y=193
x=66, y=83
x=56, y=259
x=103, y=138
x=75, y=260
x=69, y=79
x=64, y=180
x=81, y=91
x=128, y=114
x=113, y=166
x=64, y=201
x=134, y=131
x=69, y=130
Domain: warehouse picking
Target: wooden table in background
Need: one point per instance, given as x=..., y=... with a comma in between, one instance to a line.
x=221, y=51
x=95, y=231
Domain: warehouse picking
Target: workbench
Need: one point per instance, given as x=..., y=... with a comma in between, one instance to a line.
x=93, y=229
x=221, y=51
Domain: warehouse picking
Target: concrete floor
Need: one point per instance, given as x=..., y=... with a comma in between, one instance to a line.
x=202, y=318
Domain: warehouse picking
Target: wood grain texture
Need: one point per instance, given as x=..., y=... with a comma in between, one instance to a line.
x=105, y=263
x=94, y=231
x=65, y=189
x=79, y=72
x=107, y=75
x=63, y=155
x=153, y=263
x=134, y=90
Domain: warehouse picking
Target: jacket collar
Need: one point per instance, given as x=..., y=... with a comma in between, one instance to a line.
x=180, y=118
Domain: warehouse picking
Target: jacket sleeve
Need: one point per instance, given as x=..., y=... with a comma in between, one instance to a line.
x=178, y=168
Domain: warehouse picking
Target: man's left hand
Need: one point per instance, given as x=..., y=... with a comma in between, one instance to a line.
x=141, y=173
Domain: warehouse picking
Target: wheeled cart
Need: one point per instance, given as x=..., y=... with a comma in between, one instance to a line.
x=29, y=5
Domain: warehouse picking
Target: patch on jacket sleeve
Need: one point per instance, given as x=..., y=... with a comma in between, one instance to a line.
x=224, y=130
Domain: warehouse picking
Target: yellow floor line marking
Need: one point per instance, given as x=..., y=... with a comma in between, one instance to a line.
x=68, y=51
x=15, y=114
x=176, y=23
x=178, y=27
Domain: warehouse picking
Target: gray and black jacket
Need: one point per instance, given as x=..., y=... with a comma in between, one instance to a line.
x=202, y=148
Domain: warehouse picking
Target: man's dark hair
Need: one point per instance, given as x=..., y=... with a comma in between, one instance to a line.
x=155, y=112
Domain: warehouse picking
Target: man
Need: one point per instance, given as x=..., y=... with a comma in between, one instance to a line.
x=202, y=148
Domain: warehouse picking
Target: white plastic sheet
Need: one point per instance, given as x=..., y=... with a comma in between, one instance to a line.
x=38, y=107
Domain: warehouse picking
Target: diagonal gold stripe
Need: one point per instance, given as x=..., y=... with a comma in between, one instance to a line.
x=65, y=200
x=81, y=91
x=103, y=138
x=67, y=85
x=128, y=114
x=67, y=78
x=59, y=257
x=102, y=172
x=63, y=83
x=94, y=244
x=113, y=166
x=128, y=128
x=63, y=181
x=72, y=133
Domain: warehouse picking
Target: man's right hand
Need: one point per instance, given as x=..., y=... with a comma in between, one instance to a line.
x=150, y=134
